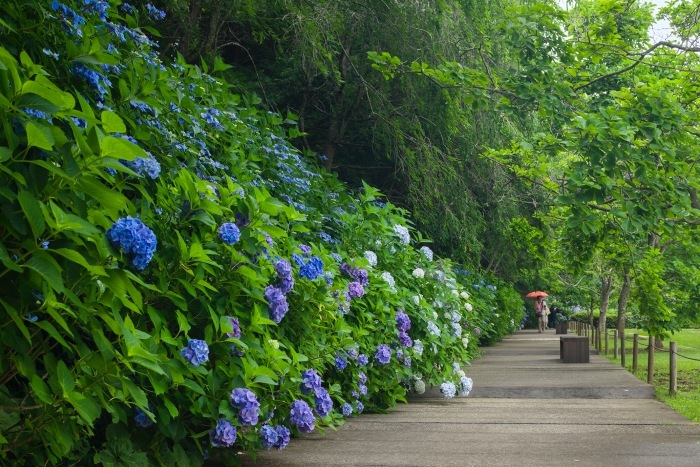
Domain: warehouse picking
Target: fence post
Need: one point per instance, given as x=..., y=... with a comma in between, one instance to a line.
x=635, y=354
x=673, y=376
x=615, y=343
x=607, y=334
x=650, y=365
x=623, y=361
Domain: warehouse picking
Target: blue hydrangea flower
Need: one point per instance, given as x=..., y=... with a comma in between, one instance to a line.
x=132, y=236
x=403, y=322
x=362, y=388
x=278, y=306
x=448, y=389
x=336, y=257
x=362, y=377
x=148, y=165
x=268, y=436
x=229, y=233
x=383, y=355
x=323, y=402
x=405, y=340
x=32, y=318
x=301, y=416
x=360, y=407
x=236, y=328
x=346, y=409
x=283, y=435
x=141, y=418
x=355, y=395
x=340, y=363
x=355, y=290
x=154, y=12
x=224, y=435
x=362, y=360
x=196, y=352
x=311, y=382
x=247, y=404
x=45, y=245
x=312, y=268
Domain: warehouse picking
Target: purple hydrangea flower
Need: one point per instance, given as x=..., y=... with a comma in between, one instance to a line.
x=285, y=284
x=361, y=276
x=154, y=12
x=346, y=409
x=132, y=236
x=278, y=306
x=301, y=416
x=403, y=322
x=196, y=352
x=242, y=221
x=323, y=403
x=283, y=267
x=305, y=249
x=141, y=418
x=383, y=355
x=362, y=360
x=268, y=240
x=311, y=382
x=476, y=331
x=283, y=436
x=247, y=404
x=405, y=340
x=236, y=328
x=268, y=436
x=346, y=269
x=340, y=363
x=355, y=290
x=407, y=361
x=285, y=281
x=224, y=435
x=352, y=354
x=360, y=406
x=355, y=394
x=399, y=354
x=362, y=388
x=362, y=377
x=229, y=233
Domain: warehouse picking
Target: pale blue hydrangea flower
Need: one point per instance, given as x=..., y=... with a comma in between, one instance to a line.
x=465, y=386
x=427, y=252
x=418, y=347
x=371, y=258
x=403, y=234
x=448, y=389
x=433, y=329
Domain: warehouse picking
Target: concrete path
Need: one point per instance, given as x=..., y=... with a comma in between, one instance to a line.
x=527, y=409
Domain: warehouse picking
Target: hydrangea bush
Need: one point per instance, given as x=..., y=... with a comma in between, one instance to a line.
x=177, y=281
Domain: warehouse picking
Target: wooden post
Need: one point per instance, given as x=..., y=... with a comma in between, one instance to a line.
x=607, y=345
x=615, y=343
x=673, y=376
x=623, y=361
x=650, y=365
x=635, y=354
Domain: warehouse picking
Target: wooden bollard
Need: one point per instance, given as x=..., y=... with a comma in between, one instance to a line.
x=615, y=343
x=635, y=354
x=650, y=365
x=607, y=335
x=673, y=376
x=623, y=362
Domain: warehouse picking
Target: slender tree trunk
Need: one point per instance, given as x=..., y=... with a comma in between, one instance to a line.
x=622, y=300
x=191, y=27
x=605, y=291
x=213, y=27
x=590, y=312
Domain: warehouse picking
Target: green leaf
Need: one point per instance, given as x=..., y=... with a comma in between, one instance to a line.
x=41, y=390
x=112, y=123
x=110, y=199
x=86, y=407
x=32, y=210
x=36, y=102
x=47, y=270
x=48, y=327
x=265, y=380
x=37, y=137
x=194, y=386
x=136, y=393
x=18, y=321
x=65, y=378
x=182, y=322
x=119, y=148
x=5, y=154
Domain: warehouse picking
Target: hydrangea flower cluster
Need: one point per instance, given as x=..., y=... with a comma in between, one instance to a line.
x=383, y=355
x=229, y=233
x=322, y=402
x=418, y=273
x=389, y=280
x=402, y=233
x=371, y=258
x=448, y=389
x=224, y=435
x=419, y=386
x=355, y=290
x=360, y=407
x=311, y=268
x=247, y=404
x=268, y=436
x=311, y=382
x=196, y=352
x=283, y=436
x=141, y=418
x=278, y=306
x=236, y=328
x=455, y=329
x=465, y=386
x=148, y=165
x=465, y=342
x=360, y=275
x=468, y=306
x=362, y=360
x=133, y=237
x=427, y=252
x=405, y=340
x=301, y=416
x=433, y=329
x=477, y=331
x=346, y=409
x=418, y=347
x=403, y=322
x=285, y=280
x=154, y=12
x=340, y=363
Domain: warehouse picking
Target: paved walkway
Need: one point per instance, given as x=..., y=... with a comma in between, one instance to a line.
x=527, y=409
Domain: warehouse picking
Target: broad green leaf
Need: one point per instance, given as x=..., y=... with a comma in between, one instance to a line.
x=194, y=386
x=47, y=270
x=112, y=123
x=136, y=393
x=86, y=407
x=41, y=389
x=48, y=327
x=65, y=378
x=5, y=154
x=119, y=148
x=17, y=320
x=37, y=137
x=110, y=199
x=32, y=210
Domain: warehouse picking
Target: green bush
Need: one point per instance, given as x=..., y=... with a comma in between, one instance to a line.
x=146, y=212
x=610, y=318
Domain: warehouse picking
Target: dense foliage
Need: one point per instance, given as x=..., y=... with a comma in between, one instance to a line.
x=177, y=279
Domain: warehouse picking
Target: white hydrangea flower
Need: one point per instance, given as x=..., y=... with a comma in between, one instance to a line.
x=390, y=280
x=371, y=257
x=378, y=243
x=416, y=300
x=465, y=341
x=448, y=389
x=435, y=315
x=273, y=343
x=418, y=273
x=418, y=347
x=455, y=367
x=392, y=250
x=464, y=295
x=447, y=316
x=434, y=348
x=419, y=386
x=461, y=373
x=403, y=234
x=465, y=386
x=433, y=329
x=427, y=252
x=468, y=306
x=455, y=293
x=497, y=315
x=440, y=276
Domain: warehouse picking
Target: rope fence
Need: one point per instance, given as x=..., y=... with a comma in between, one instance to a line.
x=596, y=339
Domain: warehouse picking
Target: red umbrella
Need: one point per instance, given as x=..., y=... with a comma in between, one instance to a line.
x=536, y=295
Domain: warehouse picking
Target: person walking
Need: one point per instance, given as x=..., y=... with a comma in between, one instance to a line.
x=540, y=311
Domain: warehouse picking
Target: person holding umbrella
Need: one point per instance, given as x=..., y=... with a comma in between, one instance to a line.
x=540, y=309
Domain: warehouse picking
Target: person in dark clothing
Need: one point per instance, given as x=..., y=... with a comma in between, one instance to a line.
x=552, y=318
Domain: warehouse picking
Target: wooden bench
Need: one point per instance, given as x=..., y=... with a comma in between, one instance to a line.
x=574, y=349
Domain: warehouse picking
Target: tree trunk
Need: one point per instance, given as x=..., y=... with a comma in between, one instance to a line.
x=209, y=45
x=622, y=301
x=605, y=291
x=191, y=27
x=590, y=312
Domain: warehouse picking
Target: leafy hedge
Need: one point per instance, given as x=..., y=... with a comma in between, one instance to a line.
x=172, y=269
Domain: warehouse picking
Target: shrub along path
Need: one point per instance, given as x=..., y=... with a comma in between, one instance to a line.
x=527, y=409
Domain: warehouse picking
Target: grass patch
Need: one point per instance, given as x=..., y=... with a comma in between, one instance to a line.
x=687, y=400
